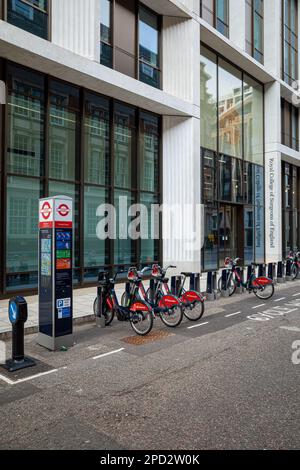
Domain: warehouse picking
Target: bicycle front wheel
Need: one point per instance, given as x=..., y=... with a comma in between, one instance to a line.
x=265, y=292
x=172, y=315
x=142, y=323
x=107, y=313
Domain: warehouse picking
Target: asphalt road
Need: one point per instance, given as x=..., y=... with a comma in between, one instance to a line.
x=230, y=382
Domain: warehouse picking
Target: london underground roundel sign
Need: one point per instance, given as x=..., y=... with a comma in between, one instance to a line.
x=63, y=210
x=46, y=210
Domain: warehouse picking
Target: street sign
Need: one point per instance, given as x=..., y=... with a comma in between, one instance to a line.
x=55, y=272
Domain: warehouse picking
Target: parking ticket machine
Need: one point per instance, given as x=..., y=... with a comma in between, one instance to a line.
x=55, y=272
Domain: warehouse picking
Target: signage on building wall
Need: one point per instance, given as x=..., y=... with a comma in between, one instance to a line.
x=271, y=208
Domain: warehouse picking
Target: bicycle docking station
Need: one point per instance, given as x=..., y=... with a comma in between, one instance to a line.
x=280, y=272
x=224, y=290
x=211, y=286
x=288, y=270
x=55, y=273
x=18, y=315
x=102, y=283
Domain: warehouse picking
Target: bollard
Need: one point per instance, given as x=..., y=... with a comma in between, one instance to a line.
x=284, y=271
x=210, y=288
x=102, y=283
x=195, y=282
x=262, y=270
x=224, y=290
x=271, y=271
x=18, y=314
x=280, y=272
x=240, y=289
x=175, y=284
x=288, y=271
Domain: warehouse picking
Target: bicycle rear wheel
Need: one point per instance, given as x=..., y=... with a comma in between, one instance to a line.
x=142, y=322
x=171, y=313
x=265, y=292
x=194, y=312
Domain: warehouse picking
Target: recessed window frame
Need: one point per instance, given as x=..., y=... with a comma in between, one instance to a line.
x=28, y=2
x=215, y=17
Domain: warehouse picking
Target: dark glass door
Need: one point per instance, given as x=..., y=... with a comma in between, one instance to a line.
x=228, y=232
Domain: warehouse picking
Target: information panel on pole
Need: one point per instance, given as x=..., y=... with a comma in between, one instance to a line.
x=55, y=272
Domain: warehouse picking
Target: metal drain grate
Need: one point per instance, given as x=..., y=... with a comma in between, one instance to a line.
x=153, y=336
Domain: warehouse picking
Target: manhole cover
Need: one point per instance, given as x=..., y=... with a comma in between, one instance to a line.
x=150, y=338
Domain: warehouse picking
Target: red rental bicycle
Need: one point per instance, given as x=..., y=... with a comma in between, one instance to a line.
x=192, y=302
x=262, y=287
x=295, y=267
x=163, y=305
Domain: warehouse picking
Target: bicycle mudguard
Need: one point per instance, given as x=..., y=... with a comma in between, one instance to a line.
x=191, y=296
x=168, y=301
x=262, y=281
x=139, y=307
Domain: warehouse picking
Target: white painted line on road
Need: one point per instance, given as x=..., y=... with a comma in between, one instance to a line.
x=196, y=326
x=258, y=306
x=278, y=300
x=232, y=314
x=109, y=353
x=295, y=295
x=290, y=328
x=32, y=377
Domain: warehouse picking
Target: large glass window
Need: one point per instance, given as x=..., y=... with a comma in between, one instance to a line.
x=290, y=208
x=134, y=48
x=26, y=123
x=208, y=97
x=106, y=50
x=149, y=152
x=290, y=40
x=230, y=110
x=253, y=121
x=289, y=125
x=149, y=47
x=96, y=140
x=31, y=15
x=59, y=144
x=216, y=13
x=22, y=232
x=255, y=29
x=232, y=149
x=63, y=131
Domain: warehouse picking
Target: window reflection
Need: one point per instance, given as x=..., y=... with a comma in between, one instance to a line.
x=208, y=97
x=149, y=47
x=124, y=145
x=30, y=15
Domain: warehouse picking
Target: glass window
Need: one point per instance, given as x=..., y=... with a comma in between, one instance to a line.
x=95, y=253
x=149, y=246
x=249, y=183
x=255, y=29
x=237, y=180
x=230, y=110
x=22, y=231
x=225, y=178
x=124, y=145
x=25, y=151
x=63, y=131
x=222, y=20
x=106, y=56
x=249, y=235
x=290, y=41
x=253, y=121
x=30, y=15
x=208, y=97
x=210, y=248
x=149, y=47
x=149, y=152
x=125, y=247
x=209, y=189
x=96, y=140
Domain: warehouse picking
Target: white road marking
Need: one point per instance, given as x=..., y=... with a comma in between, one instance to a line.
x=32, y=377
x=290, y=328
x=278, y=300
x=109, y=353
x=258, y=306
x=232, y=314
x=196, y=326
x=295, y=295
